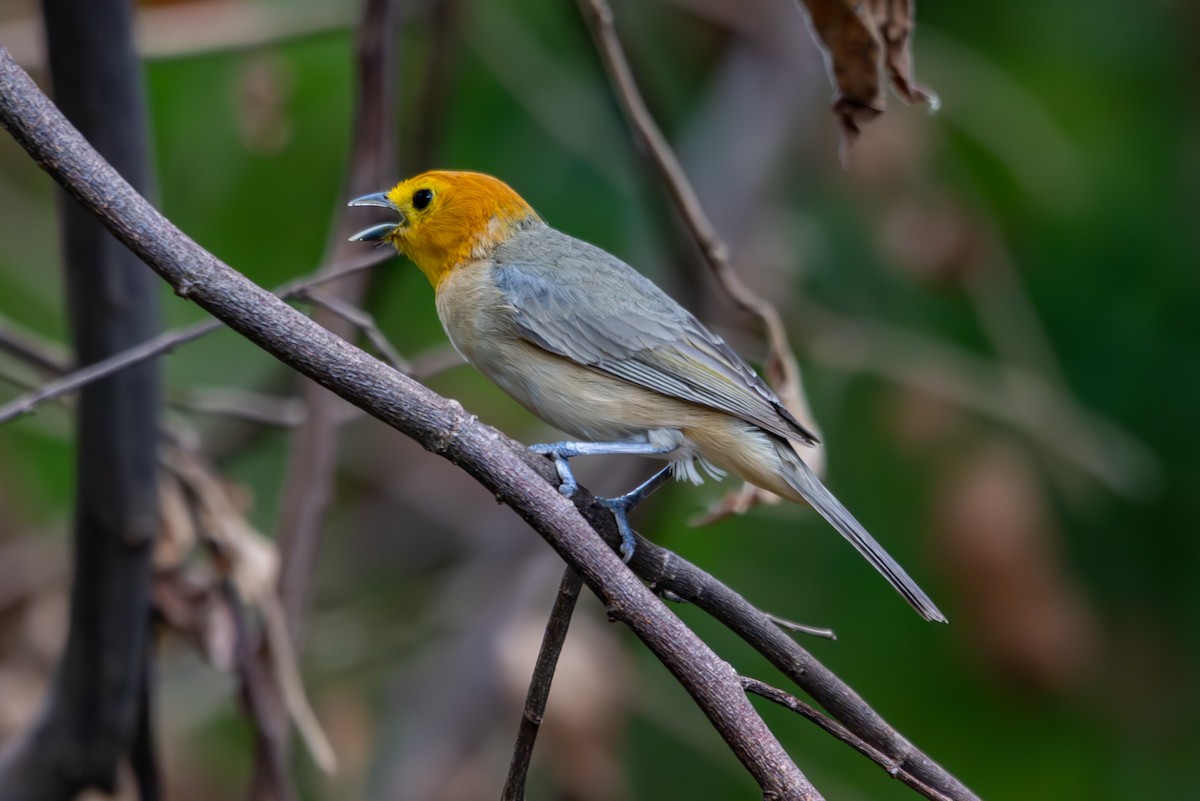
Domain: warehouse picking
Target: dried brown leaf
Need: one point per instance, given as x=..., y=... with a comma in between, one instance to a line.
x=177, y=527
x=250, y=561
x=861, y=40
x=287, y=675
x=196, y=610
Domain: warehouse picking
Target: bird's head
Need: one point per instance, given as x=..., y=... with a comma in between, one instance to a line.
x=447, y=219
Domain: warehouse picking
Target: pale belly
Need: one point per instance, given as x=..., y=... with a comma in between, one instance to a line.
x=581, y=402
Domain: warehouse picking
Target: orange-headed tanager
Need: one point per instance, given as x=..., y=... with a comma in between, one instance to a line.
x=592, y=347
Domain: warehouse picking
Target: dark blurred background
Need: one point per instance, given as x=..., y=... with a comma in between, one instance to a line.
x=995, y=307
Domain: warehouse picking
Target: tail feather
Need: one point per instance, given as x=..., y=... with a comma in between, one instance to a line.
x=805, y=482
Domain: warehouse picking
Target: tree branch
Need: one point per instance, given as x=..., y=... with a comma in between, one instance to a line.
x=669, y=574
x=516, y=476
x=840, y=732
x=31, y=350
x=539, y=684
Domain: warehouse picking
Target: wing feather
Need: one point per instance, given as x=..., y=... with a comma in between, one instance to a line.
x=579, y=302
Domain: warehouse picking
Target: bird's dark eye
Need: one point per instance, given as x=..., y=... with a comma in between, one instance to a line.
x=422, y=198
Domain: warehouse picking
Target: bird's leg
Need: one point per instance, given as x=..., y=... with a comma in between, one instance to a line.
x=562, y=451
x=621, y=505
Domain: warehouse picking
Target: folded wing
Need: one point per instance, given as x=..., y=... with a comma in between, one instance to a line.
x=579, y=302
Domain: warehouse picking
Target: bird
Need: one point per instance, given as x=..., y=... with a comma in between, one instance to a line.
x=594, y=348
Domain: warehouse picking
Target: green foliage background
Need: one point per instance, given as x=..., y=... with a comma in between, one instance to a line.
x=1099, y=224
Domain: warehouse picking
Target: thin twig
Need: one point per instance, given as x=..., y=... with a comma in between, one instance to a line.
x=840, y=732
x=364, y=321
x=428, y=364
x=289, y=412
x=539, y=684
x=238, y=404
x=504, y=467
x=287, y=681
x=31, y=350
x=168, y=341
x=802, y=628
x=19, y=382
x=249, y=407
x=437, y=359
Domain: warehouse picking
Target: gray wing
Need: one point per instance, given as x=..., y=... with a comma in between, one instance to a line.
x=577, y=301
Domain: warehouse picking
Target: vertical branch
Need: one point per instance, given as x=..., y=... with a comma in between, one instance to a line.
x=539, y=684
x=91, y=718
x=313, y=454
x=439, y=74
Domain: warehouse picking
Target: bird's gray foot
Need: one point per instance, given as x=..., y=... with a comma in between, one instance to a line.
x=620, y=507
x=560, y=452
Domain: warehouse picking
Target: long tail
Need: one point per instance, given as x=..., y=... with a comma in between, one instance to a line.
x=802, y=479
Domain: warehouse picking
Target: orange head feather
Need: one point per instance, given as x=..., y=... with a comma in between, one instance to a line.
x=453, y=218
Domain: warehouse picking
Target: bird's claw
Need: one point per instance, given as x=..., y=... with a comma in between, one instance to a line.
x=620, y=510
x=560, y=453
x=567, y=484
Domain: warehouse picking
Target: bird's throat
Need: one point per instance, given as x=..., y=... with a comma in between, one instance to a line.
x=438, y=253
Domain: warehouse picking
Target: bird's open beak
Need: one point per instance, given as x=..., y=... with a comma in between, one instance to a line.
x=376, y=232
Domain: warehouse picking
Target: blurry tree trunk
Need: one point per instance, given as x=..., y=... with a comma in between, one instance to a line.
x=97, y=711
